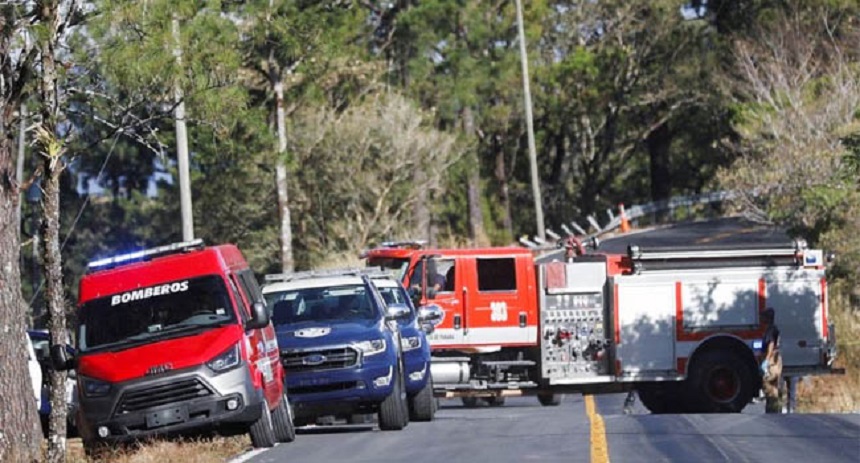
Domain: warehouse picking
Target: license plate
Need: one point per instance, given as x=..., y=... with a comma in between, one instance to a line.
x=167, y=416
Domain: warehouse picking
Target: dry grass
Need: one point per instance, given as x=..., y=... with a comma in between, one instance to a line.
x=838, y=393
x=185, y=451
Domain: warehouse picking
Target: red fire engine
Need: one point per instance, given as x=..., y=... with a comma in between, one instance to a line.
x=681, y=326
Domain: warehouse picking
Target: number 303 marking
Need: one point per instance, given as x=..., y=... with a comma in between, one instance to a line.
x=498, y=311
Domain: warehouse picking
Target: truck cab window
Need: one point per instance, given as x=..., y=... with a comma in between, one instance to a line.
x=497, y=274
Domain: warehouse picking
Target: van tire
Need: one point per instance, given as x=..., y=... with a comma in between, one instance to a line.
x=262, y=431
x=282, y=421
x=392, y=411
x=422, y=406
x=550, y=400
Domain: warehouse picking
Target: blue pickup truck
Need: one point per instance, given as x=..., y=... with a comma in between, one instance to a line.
x=416, y=349
x=340, y=346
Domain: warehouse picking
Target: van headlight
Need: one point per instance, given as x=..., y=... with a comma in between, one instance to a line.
x=225, y=360
x=94, y=387
x=410, y=343
x=371, y=347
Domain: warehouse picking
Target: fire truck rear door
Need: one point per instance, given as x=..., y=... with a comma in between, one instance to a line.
x=796, y=297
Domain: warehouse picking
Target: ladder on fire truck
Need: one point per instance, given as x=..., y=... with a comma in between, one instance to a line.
x=794, y=254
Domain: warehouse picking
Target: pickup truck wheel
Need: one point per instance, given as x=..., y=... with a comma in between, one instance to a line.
x=392, y=411
x=262, y=431
x=550, y=400
x=720, y=382
x=469, y=402
x=282, y=421
x=422, y=406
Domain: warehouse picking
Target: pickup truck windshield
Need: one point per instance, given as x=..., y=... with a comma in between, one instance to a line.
x=143, y=315
x=350, y=302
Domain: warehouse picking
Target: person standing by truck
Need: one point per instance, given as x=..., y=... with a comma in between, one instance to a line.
x=771, y=363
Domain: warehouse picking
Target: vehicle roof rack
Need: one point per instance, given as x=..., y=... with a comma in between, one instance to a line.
x=146, y=254
x=371, y=272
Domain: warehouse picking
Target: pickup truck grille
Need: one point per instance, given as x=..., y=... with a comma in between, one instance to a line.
x=154, y=396
x=323, y=359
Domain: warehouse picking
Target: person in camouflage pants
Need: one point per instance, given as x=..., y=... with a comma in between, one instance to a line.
x=771, y=363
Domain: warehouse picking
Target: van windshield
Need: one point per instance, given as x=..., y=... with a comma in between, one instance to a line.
x=348, y=302
x=143, y=315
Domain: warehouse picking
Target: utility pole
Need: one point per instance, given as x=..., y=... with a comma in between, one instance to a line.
x=182, y=142
x=530, y=124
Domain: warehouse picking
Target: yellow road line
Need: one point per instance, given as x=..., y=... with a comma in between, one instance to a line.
x=599, y=448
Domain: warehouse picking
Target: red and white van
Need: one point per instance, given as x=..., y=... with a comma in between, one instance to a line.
x=173, y=340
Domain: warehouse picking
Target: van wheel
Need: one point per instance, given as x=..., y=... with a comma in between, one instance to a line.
x=422, y=406
x=720, y=382
x=392, y=411
x=550, y=400
x=282, y=421
x=262, y=431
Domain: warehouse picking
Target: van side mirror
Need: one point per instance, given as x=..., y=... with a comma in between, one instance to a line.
x=259, y=317
x=60, y=359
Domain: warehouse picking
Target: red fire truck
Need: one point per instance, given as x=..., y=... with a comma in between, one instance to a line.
x=681, y=326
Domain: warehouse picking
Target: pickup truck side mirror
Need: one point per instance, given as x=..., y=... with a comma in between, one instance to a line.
x=259, y=317
x=429, y=316
x=60, y=359
x=397, y=311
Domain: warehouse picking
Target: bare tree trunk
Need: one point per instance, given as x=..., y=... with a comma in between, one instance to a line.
x=20, y=437
x=658, y=143
x=476, y=216
x=281, y=180
x=421, y=210
x=504, y=190
x=52, y=167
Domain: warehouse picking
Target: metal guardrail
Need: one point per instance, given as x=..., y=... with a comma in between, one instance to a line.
x=631, y=214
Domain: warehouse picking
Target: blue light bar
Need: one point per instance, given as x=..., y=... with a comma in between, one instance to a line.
x=147, y=253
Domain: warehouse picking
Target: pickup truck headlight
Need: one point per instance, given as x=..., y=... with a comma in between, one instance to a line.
x=371, y=347
x=225, y=360
x=410, y=343
x=94, y=387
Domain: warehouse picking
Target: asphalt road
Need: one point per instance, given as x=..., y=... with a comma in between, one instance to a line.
x=523, y=431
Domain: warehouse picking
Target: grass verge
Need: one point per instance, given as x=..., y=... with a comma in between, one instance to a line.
x=203, y=450
x=837, y=393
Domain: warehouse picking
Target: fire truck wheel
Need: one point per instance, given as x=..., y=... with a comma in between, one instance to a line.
x=393, y=415
x=422, y=406
x=469, y=402
x=262, y=431
x=720, y=382
x=282, y=421
x=495, y=401
x=550, y=400
x=661, y=397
